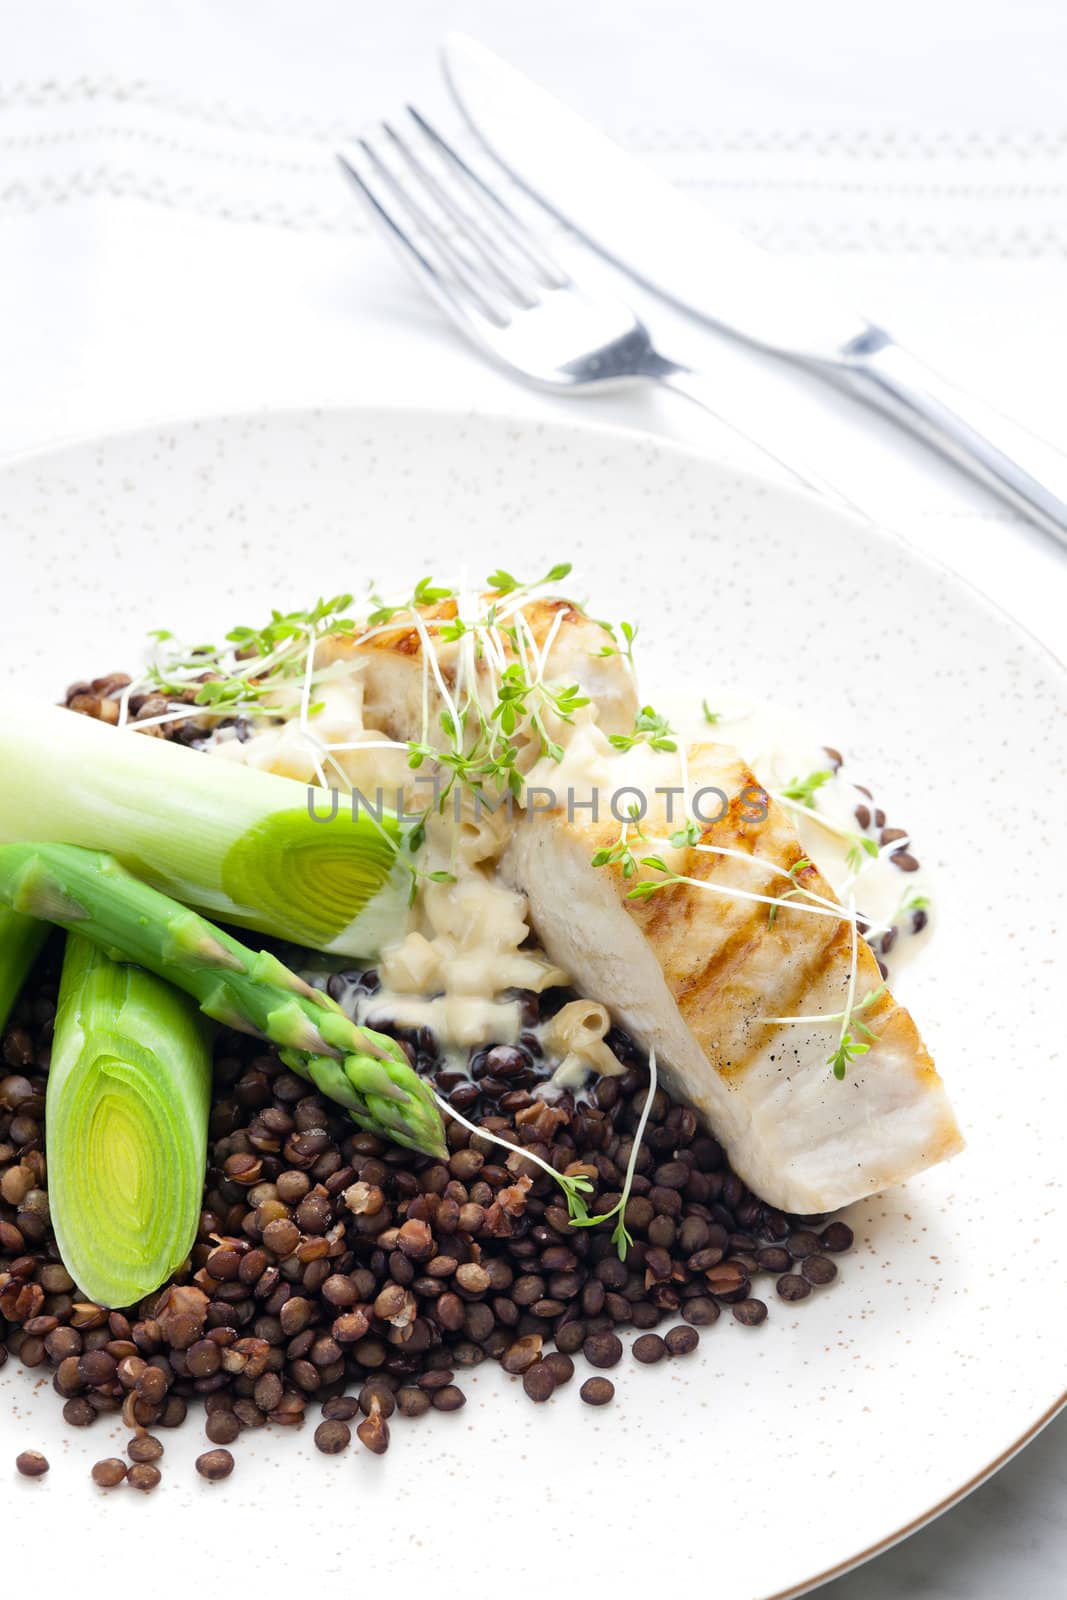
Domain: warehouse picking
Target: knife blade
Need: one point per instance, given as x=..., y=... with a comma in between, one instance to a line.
x=678, y=249
x=639, y=220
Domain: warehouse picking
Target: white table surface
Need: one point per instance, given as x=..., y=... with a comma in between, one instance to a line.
x=174, y=240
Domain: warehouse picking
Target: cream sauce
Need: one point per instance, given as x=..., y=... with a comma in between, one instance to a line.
x=450, y=972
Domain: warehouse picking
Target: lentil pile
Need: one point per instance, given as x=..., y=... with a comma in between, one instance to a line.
x=335, y=1271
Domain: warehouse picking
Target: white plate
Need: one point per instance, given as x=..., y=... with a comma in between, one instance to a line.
x=773, y=1457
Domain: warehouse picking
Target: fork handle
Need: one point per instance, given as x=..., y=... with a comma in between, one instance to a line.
x=696, y=386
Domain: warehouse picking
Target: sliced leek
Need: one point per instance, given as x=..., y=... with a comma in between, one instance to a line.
x=129, y=1091
x=21, y=939
x=233, y=840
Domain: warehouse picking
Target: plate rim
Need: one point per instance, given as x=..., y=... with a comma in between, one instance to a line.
x=609, y=432
x=925, y=1519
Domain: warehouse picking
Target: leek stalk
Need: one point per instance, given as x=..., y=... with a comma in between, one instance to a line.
x=366, y=1072
x=232, y=840
x=129, y=1091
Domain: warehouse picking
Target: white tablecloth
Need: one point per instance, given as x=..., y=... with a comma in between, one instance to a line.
x=174, y=239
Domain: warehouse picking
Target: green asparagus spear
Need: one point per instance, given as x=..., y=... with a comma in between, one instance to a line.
x=251, y=991
x=21, y=939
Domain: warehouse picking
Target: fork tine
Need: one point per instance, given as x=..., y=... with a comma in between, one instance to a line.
x=521, y=237
x=454, y=271
x=437, y=283
x=521, y=287
x=457, y=264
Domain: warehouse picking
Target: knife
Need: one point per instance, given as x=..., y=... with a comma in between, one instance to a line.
x=676, y=248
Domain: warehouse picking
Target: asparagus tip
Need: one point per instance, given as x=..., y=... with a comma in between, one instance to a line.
x=40, y=894
x=190, y=939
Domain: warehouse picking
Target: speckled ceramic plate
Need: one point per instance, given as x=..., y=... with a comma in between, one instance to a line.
x=773, y=1457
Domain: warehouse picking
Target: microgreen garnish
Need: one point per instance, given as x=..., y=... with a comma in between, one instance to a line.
x=798, y=867
x=710, y=717
x=419, y=876
x=513, y=706
x=252, y=671
x=381, y=613
x=858, y=844
x=326, y=616
x=837, y=1016
x=620, y=1235
x=425, y=593
x=803, y=789
x=629, y=634
x=859, y=847
x=648, y=886
x=565, y=702
x=501, y=713
x=811, y=903
x=502, y=583
x=847, y=1050
x=485, y=740
x=620, y=854
x=649, y=728
x=429, y=594
x=848, y=1046
x=510, y=707
x=417, y=836
x=855, y=1037
x=917, y=902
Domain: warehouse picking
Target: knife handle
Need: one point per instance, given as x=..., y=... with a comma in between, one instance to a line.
x=1024, y=470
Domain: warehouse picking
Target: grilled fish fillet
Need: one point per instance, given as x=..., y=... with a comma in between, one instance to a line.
x=692, y=972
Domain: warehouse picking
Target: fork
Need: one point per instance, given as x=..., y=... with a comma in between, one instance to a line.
x=506, y=290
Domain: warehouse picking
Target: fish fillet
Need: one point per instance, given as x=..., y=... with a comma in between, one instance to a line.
x=693, y=972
